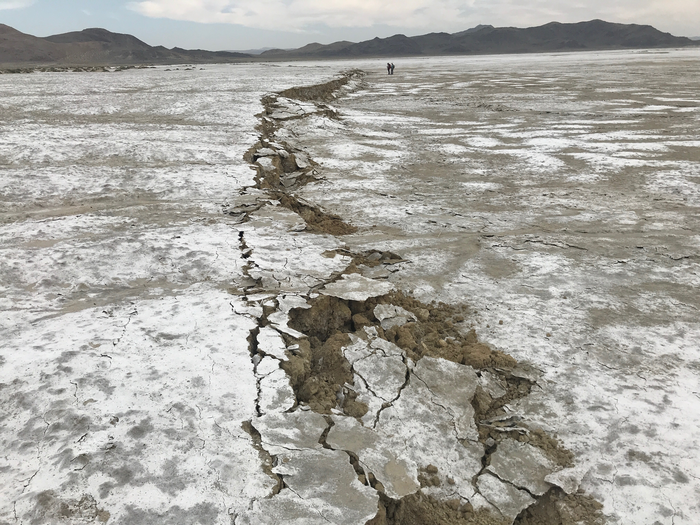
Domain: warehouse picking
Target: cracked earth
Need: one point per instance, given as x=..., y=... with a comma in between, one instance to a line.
x=458, y=295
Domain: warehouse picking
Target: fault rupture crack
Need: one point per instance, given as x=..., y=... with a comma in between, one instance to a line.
x=435, y=335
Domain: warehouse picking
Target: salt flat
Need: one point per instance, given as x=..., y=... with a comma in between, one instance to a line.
x=558, y=195
x=148, y=285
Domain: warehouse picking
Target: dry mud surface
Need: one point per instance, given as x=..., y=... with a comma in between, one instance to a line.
x=463, y=294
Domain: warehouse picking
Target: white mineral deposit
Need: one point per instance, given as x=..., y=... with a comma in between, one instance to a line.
x=462, y=294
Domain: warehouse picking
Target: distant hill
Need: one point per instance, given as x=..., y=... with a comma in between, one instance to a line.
x=102, y=47
x=486, y=39
x=96, y=46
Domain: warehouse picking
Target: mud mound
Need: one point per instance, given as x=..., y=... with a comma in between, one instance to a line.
x=558, y=508
x=419, y=509
x=437, y=331
x=316, y=219
x=321, y=92
x=319, y=370
x=326, y=317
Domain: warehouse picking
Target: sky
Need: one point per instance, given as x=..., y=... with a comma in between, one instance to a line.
x=251, y=24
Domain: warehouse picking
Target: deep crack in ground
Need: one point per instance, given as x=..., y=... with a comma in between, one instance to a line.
x=320, y=374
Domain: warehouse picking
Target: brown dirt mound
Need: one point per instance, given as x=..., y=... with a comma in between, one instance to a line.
x=316, y=219
x=558, y=508
x=319, y=370
x=419, y=509
x=321, y=92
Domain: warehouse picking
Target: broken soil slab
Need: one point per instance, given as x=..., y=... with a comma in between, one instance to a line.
x=379, y=375
x=523, y=465
x=270, y=343
x=298, y=430
x=505, y=497
x=397, y=474
x=390, y=315
x=424, y=425
x=355, y=287
x=276, y=394
x=321, y=487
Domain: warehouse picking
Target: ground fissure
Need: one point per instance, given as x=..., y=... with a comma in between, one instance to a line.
x=322, y=378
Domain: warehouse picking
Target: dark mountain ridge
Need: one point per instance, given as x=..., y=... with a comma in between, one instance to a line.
x=96, y=46
x=486, y=39
x=100, y=46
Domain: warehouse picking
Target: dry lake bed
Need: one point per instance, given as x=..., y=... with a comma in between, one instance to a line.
x=466, y=293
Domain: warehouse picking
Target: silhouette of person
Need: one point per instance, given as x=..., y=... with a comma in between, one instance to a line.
x=392, y=68
x=388, y=68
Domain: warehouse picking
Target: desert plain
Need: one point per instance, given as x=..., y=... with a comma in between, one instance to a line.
x=464, y=293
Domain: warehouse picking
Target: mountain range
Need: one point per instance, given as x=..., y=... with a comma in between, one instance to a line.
x=99, y=46
x=486, y=39
x=96, y=46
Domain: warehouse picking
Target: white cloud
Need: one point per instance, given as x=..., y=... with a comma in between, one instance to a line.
x=17, y=4
x=442, y=15
x=299, y=14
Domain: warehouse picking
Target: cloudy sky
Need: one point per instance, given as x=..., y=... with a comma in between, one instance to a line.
x=247, y=24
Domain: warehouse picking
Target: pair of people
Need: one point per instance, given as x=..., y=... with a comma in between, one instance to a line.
x=389, y=68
